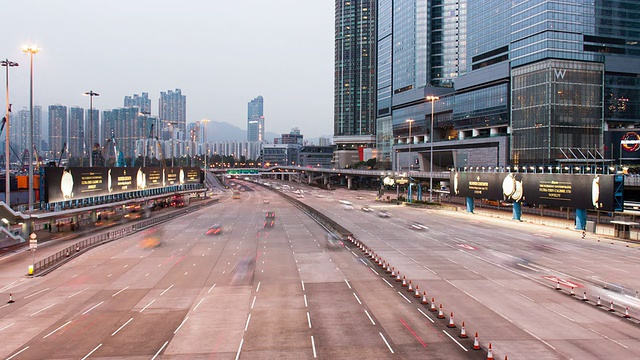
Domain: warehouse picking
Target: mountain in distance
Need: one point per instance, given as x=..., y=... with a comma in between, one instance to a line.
x=222, y=131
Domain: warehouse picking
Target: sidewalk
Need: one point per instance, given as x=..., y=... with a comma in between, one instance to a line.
x=9, y=245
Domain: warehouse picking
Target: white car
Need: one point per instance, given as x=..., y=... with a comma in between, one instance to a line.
x=384, y=214
x=417, y=226
x=366, y=209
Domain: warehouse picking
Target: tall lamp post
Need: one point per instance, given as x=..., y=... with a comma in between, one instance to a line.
x=7, y=154
x=91, y=94
x=432, y=99
x=204, y=141
x=31, y=50
x=410, y=121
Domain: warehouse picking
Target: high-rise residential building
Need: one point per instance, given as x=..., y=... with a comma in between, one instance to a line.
x=57, y=129
x=124, y=126
x=538, y=83
x=92, y=120
x=19, y=131
x=354, y=85
x=172, y=109
x=76, y=145
x=255, y=119
x=142, y=102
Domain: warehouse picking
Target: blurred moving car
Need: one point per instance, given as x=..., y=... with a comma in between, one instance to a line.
x=333, y=241
x=417, y=226
x=366, y=208
x=152, y=238
x=384, y=214
x=270, y=219
x=265, y=201
x=215, y=229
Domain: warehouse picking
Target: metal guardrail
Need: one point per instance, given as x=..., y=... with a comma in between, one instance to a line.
x=51, y=262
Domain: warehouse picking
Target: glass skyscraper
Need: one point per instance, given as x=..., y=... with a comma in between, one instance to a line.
x=255, y=119
x=534, y=82
x=354, y=85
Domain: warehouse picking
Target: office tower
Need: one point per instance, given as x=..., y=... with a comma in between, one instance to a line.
x=293, y=137
x=518, y=84
x=173, y=109
x=76, y=143
x=142, y=102
x=57, y=129
x=255, y=119
x=354, y=86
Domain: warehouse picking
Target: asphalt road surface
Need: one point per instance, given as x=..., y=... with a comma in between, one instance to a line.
x=281, y=292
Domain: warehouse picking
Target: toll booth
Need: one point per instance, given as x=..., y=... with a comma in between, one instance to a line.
x=622, y=229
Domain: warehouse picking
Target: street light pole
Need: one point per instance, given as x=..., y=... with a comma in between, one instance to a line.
x=7, y=154
x=31, y=50
x=410, y=121
x=432, y=99
x=91, y=94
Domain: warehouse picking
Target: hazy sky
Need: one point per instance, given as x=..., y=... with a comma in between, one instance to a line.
x=221, y=54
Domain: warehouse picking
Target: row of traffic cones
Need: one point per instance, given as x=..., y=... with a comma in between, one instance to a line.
x=408, y=284
x=599, y=304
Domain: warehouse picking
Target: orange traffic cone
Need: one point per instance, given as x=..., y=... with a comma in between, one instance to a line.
x=451, y=323
x=463, y=332
x=417, y=293
x=476, y=343
x=10, y=299
x=380, y=263
x=393, y=272
x=433, y=305
x=440, y=313
x=389, y=271
x=404, y=281
x=490, y=353
x=410, y=288
x=558, y=286
x=424, y=298
x=572, y=293
x=626, y=313
x=77, y=248
x=584, y=296
x=599, y=303
x=398, y=278
x=611, y=306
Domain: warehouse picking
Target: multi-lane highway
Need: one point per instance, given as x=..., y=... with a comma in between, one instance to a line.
x=280, y=292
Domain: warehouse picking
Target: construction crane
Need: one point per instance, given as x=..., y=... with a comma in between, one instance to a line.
x=158, y=146
x=64, y=148
x=117, y=155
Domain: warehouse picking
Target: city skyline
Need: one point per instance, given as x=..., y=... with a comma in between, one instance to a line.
x=186, y=55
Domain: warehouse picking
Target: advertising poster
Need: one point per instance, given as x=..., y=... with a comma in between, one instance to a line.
x=579, y=191
x=74, y=183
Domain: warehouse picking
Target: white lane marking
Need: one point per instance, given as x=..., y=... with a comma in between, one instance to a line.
x=167, y=289
x=309, y=320
x=362, y=260
x=402, y=254
x=60, y=327
x=528, y=267
x=94, y=306
x=16, y=354
x=159, y=351
x=239, y=349
x=305, y=301
x=182, y=323
x=200, y=302
x=43, y=309
x=346, y=281
x=524, y=296
x=356, y=296
x=126, y=265
x=354, y=254
x=91, y=352
x=539, y=339
x=119, y=291
x=373, y=270
x=583, y=269
x=149, y=304
x=401, y=294
x=194, y=264
x=366, y=312
x=456, y=341
x=425, y=315
x=313, y=346
x=615, y=268
x=608, y=338
x=246, y=325
x=211, y=288
x=74, y=294
x=388, y=283
x=559, y=313
x=36, y=293
x=112, y=274
x=302, y=285
x=385, y=341
x=253, y=302
x=258, y=287
x=186, y=273
x=6, y=326
x=147, y=274
x=123, y=325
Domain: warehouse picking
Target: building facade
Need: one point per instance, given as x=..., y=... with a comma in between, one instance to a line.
x=354, y=123
x=58, y=126
x=172, y=109
x=255, y=119
x=537, y=83
x=142, y=102
x=76, y=145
